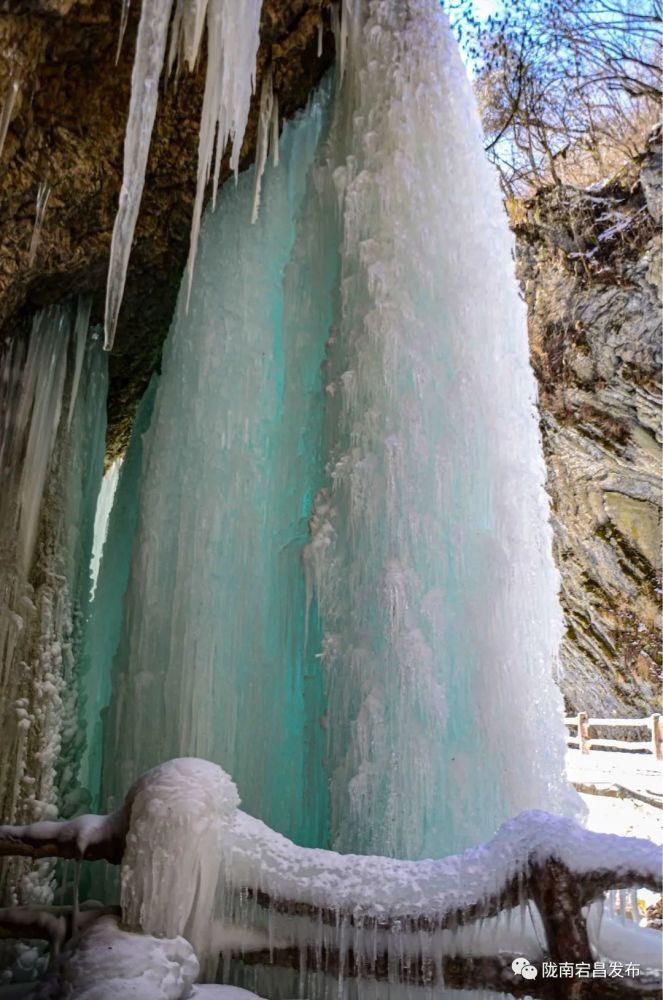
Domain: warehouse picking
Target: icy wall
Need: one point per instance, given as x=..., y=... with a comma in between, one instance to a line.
x=52, y=400
x=212, y=658
x=408, y=637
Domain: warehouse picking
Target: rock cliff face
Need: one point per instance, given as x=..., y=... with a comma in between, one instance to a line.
x=589, y=261
x=590, y=264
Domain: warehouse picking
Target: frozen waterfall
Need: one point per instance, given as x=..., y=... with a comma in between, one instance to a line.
x=341, y=586
x=52, y=401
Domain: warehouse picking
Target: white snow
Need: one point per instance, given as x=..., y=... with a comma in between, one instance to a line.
x=180, y=815
x=169, y=889
x=109, y=963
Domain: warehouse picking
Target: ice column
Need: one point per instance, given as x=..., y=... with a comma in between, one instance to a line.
x=427, y=602
x=212, y=660
x=431, y=548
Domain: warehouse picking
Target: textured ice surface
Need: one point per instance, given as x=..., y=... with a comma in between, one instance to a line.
x=52, y=426
x=431, y=549
x=103, y=632
x=212, y=658
x=363, y=344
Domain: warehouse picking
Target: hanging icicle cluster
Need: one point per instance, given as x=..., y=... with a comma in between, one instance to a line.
x=232, y=45
x=52, y=401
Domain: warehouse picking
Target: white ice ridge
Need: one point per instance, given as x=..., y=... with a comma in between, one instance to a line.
x=232, y=45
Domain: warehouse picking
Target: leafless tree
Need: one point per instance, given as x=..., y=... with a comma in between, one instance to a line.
x=567, y=88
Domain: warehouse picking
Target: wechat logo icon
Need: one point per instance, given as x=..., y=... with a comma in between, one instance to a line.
x=522, y=967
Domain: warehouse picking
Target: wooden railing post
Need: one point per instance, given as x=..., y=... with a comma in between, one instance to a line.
x=583, y=732
x=656, y=736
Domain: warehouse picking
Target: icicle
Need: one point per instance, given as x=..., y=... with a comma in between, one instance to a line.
x=50, y=334
x=7, y=108
x=233, y=36
x=274, y=141
x=262, y=145
x=43, y=194
x=75, y=915
x=148, y=62
x=186, y=34
x=340, y=30
x=232, y=45
x=81, y=324
x=124, y=17
x=320, y=36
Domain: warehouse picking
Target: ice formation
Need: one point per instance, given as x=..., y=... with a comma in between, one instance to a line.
x=102, y=634
x=171, y=868
x=109, y=963
x=363, y=344
x=194, y=865
x=232, y=45
x=51, y=453
x=43, y=194
x=8, y=107
x=211, y=658
x=150, y=52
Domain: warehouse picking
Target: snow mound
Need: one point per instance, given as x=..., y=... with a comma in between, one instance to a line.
x=108, y=963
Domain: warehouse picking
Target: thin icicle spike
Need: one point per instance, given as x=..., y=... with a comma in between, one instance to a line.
x=124, y=17
x=7, y=108
x=265, y=125
x=43, y=194
x=274, y=141
x=148, y=62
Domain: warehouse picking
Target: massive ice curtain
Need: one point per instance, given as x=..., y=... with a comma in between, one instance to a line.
x=341, y=585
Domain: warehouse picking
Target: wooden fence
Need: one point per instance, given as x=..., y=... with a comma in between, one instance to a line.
x=585, y=742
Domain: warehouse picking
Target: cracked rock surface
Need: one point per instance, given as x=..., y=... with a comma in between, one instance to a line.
x=590, y=264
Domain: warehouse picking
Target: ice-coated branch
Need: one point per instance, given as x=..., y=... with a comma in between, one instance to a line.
x=93, y=838
x=355, y=913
